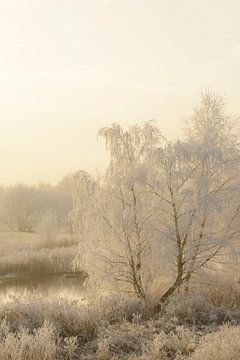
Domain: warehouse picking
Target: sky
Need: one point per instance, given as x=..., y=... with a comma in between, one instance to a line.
x=69, y=67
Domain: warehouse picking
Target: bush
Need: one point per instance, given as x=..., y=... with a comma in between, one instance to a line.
x=42, y=344
x=125, y=338
x=225, y=293
x=221, y=345
x=175, y=345
x=114, y=327
x=195, y=310
x=69, y=318
x=115, y=308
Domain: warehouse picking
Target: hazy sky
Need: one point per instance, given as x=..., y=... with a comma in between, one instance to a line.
x=68, y=67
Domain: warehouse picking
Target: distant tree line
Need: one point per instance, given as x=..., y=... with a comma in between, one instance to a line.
x=30, y=208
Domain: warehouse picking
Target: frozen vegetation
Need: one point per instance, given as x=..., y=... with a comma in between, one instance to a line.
x=24, y=252
x=119, y=327
x=157, y=237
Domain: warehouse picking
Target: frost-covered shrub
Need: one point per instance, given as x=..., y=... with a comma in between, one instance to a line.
x=41, y=344
x=68, y=317
x=145, y=339
x=112, y=327
x=221, y=345
x=175, y=345
x=115, y=308
x=74, y=318
x=194, y=310
x=124, y=338
x=223, y=293
x=23, y=345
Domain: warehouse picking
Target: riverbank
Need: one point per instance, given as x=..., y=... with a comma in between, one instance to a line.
x=119, y=327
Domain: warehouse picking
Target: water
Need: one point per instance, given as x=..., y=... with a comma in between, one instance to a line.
x=69, y=285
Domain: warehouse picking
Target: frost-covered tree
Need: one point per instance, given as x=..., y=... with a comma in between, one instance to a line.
x=122, y=221
x=163, y=204
x=123, y=233
x=129, y=148
x=194, y=185
x=211, y=127
x=84, y=189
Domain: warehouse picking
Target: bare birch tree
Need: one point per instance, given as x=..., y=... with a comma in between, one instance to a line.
x=194, y=185
x=124, y=212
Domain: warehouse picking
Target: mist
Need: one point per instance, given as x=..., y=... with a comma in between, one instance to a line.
x=120, y=185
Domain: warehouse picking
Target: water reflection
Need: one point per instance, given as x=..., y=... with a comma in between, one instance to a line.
x=69, y=285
